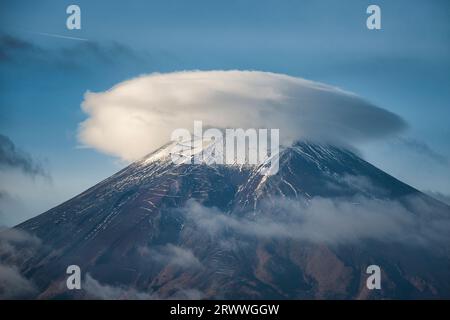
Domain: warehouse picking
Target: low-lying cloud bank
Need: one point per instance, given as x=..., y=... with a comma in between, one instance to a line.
x=329, y=221
x=172, y=255
x=98, y=290
x=16, y=247
x=107, y=292
x=137, y=116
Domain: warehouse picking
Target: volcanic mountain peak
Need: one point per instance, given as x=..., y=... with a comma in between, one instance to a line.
x=157, y=226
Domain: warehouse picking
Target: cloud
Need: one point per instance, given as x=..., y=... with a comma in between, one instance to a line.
x=16, y=247
x=423, y=149
x=107, y=292
x=13, y=285
x=74, y=55
x=9, y=46
x=187, y=294
x=13, y=158
x=356, y=183
x=168, y=255
x=329, y=221
x=106, y=53
x=137, y=116
x=7, y=202
x=445, y=198
x=17, y=237
x=172, y=255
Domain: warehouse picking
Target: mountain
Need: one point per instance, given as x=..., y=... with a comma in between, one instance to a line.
x=161, y=230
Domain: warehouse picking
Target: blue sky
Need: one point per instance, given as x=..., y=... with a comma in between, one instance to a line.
x=404, y=68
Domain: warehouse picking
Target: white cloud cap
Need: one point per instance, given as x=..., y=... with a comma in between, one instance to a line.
x=137, y=116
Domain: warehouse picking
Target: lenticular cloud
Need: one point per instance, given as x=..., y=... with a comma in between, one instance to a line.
x=137, y=116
